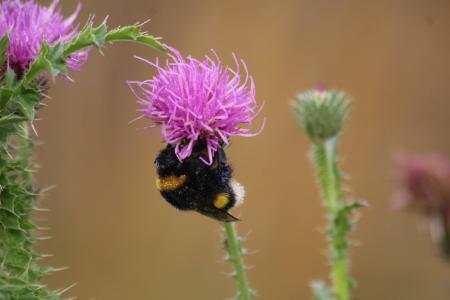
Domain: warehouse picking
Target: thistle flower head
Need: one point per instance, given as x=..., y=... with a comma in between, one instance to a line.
x=28, y=25
x=198, y=100
x=321, y=113
x=425, y=186
x=425, y=182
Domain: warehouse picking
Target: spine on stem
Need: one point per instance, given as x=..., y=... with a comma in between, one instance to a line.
x=20, y=274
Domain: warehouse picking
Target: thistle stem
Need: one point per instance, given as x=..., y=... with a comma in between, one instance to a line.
x=326, y=162
x=233, y=247
x=19, y=273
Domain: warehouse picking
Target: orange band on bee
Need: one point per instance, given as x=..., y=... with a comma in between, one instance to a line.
x=170, y=183
x=221, y=200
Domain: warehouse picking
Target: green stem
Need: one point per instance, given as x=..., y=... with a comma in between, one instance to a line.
x=20, y=275
x=326, y=161
x=232, y=245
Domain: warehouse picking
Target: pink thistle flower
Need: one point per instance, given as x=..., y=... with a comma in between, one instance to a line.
x=28, y=25
x=425, y=182
x=320, y=88
x=425, y=187
x=198, y=100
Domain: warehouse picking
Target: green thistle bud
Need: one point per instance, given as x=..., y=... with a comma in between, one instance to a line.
x=321, y=113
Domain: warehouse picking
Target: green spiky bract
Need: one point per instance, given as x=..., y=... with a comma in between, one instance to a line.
x=322, y=115
x=20, y=275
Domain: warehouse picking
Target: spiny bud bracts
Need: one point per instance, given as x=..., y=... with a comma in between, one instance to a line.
x=321, y=113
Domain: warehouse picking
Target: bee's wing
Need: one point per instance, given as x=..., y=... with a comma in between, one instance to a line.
x=219, y=215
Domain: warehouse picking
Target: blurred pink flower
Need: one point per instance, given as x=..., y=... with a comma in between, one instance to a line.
x=425, y=182
x=425, y=187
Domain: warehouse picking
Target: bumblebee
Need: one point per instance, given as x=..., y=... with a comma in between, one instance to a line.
x=193, y=185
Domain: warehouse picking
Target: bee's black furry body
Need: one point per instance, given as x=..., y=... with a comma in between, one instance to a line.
x=203, y=183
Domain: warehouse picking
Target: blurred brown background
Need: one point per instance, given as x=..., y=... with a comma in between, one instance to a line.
x=121, y=240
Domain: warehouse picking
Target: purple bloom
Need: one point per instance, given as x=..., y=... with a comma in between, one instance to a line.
x=425, y=186
x=425, y=182
x=29, y=25
x=195, y=100
x=320, y=88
